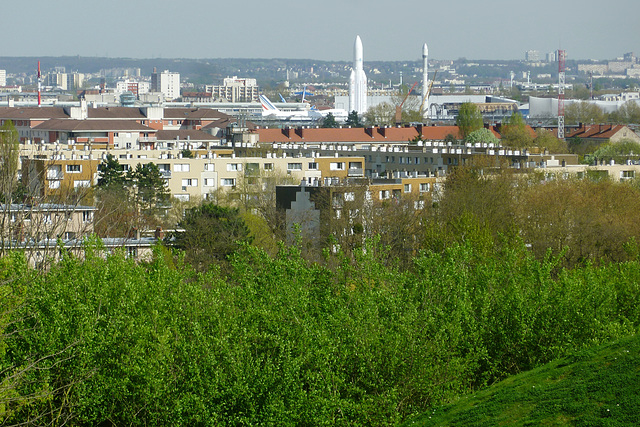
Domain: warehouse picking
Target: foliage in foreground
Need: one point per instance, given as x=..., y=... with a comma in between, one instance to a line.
x=599, y=386
x=283, y=341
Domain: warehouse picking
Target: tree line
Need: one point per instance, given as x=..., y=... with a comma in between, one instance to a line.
x=281, y=340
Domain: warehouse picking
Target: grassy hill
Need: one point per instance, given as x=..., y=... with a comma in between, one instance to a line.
x=596, y=387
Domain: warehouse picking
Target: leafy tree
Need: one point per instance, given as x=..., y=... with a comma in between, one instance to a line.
x=628, y=113
x=329, y=121
x=128, y=201
x=209, y=234
x=546, y=140
x=353, y=120
x=410, y=115
x=150, y=188
x=482, y=136
x=111, y=173
x=469, y=119
x=186, y=153
x=583, y=112
x=515, y=132
x=450, y=138
x=380, y=115
x=619, y=152
x=480, y=195
x=9, y=154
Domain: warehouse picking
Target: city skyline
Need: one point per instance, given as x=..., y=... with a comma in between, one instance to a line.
x=499, y=30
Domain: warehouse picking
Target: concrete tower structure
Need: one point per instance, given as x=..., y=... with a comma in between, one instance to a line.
x=358, y=81
x=425, y=81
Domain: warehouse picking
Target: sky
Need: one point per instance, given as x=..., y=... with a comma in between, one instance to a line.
x=320, y=29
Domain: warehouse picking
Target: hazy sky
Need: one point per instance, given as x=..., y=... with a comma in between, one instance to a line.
x=320, y=29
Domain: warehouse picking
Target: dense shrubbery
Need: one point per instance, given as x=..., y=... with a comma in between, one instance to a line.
x=284, y=341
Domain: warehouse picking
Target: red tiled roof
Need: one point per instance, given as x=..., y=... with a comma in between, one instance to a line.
x=361, y=135
x=596, y=131
x=115, y=113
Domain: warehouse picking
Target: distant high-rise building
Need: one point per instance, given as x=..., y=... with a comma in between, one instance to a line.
x=74, y=81
x=3, y=77
x=167, y=83
x=551, y=57
x=358, y=81
x=532, y=56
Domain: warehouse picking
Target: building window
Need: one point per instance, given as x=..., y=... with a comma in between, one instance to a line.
x=384, y=194
x=335, y=166
x=424, y=187
x=407, y=188
x=74, y=168
x=54, y=172
x=132, y=252
x=294, y=166
x=209, y=182
x=268, y=166
x=181, y=167
x=81, y=183
x=190, y=182
x=228, y=182
x=313, y=166
x=87, y=216
x=234, y=167
x=209, y=167
x=54, y=185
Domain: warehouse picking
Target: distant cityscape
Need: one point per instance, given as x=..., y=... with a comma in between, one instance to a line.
x=67, y=79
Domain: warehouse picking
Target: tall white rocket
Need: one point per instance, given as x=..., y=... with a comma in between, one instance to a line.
x=358, y=81
x=425, y=81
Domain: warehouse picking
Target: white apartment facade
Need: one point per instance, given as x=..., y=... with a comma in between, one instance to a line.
x=167, y=83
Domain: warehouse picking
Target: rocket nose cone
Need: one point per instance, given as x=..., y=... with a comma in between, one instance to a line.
x=425, y=50
x=357, y=49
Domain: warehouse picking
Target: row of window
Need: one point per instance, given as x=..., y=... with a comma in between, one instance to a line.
x=87, y=216
x=407, y=160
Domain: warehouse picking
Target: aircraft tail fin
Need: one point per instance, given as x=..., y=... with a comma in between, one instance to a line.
x=267, y=105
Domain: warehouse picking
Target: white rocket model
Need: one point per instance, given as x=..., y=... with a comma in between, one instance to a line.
x=358, y=81
x=425, y=81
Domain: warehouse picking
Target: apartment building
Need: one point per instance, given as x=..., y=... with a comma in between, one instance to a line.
x=346, y=208
x=29, y=223
x=234, y=89
x=205, y=172
x=167, y=83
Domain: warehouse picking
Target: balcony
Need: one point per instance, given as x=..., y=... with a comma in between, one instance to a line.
x=355, y=172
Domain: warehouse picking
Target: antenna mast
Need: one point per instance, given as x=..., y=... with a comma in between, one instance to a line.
x=39, y=86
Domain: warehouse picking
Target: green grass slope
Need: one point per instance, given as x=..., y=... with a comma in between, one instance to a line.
x=595, y=387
